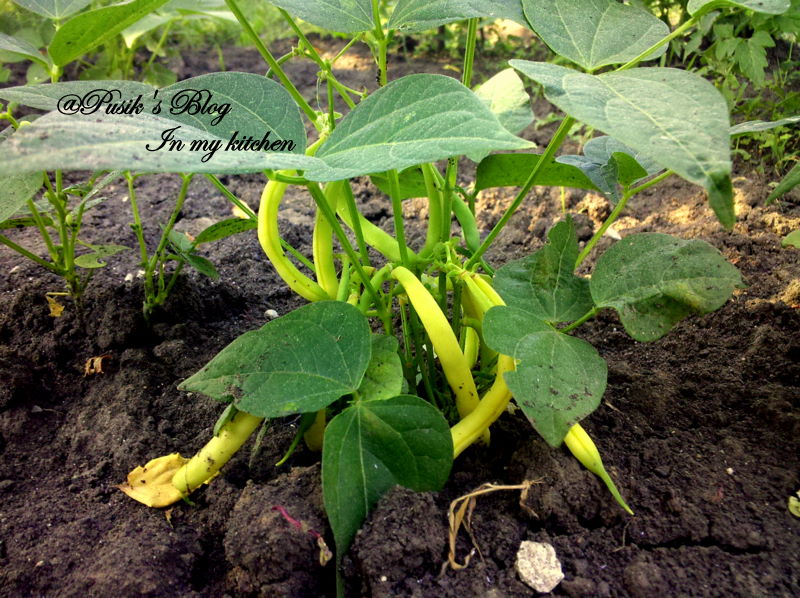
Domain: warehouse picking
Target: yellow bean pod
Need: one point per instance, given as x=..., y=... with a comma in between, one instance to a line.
x=584, y=449
x=269, y=238
x=454, y=364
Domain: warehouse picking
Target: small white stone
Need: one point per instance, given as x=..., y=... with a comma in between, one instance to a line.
x=538, y=566
x=129, y=277
x=384, y=579
x=271, y=314
x=729, y=471
x=140, y=274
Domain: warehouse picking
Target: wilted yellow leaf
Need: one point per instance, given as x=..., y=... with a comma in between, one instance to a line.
x=94, y=365
x=56, y=309
x=152, y=484
x=794, y=505
x=239, y=213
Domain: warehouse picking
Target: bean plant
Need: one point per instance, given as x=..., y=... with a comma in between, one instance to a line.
x=405, y=355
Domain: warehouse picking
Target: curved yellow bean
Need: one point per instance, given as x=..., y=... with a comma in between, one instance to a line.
x=454, y=363
x=269, y=238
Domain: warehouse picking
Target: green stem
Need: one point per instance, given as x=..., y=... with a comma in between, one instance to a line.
x=544, y=160
x=273, y=64
x=37, y=218
x=31, y=256
x=324, y=207
x=397, y=210
x=434, y=206
x=587, y=316
x=352, y=208
x=158, y=256
x=469, y=54
x=347, y=46
x=162, y=40
x=382, y=43
x=679, y=31
x=231, y=197
x=297, y=255
x=138, y=230
x=615, y=213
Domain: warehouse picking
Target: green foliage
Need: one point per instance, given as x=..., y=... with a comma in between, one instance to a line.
x=559, y=378
x=544, y=283
x=319, y=351
x=460, y=328
x=418, y=118
x=374, y=445
x=672, y=117
x=655, y=280
x=595, y=33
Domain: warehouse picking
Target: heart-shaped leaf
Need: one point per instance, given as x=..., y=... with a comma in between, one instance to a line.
x=298, y=363
x=22, y=50
x=99, y=252
x=774, y=7
x=225, y=228
x=595, y=33
x=675, y=118
x=343, y=16
x=512, y=170
x=544, y=283
x=419, y=15
x=505, y=95
x=655, y=280
x=116, y=142
x=415, y=119
x=222, y=104
x=54, y=9
x=559, y=379
x=384, y=376
x=16, y=190
x=608, y=162
x=92, y=28
x=374, y=445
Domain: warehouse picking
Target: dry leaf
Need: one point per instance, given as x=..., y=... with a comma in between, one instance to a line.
x=460, y=515
x=152, y=484
x=56, y=309
x=94, y=365
x=239, y=213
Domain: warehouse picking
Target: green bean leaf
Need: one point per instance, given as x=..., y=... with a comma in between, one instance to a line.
x=675, y=118
x=297, y=363
x=374, y=445
x=415, y=119
x=512, y=170
x=595, y=33
x=419, y=15
x=342, y=16
x=16, y=190
x=559, y=379
x=89, y=29
x=654, y=280
x=118, y=142
x=54, y=9
x=789, y=182
x=99, y=252
x=544, y=283
x=384, y=376
x=225, y=228
x=21, y=50
x=773, y=7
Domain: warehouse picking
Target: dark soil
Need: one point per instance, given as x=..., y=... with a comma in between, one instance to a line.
x=700, y=429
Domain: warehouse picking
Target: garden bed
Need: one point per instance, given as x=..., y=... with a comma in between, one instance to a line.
x=701, y=430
